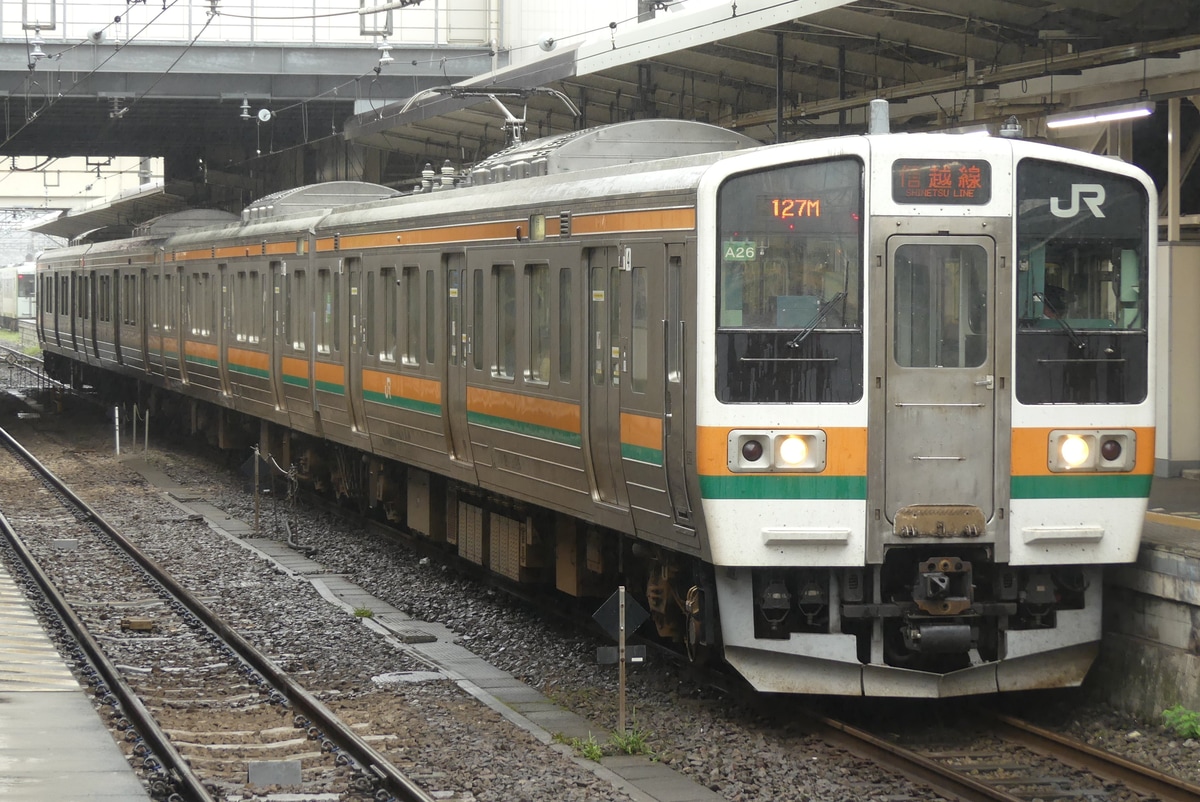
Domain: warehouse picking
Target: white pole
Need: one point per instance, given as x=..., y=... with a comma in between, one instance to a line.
x=117, y=427
x=621, y=661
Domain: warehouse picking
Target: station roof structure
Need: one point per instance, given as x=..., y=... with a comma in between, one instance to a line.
x=791, y=70
x=770, y=69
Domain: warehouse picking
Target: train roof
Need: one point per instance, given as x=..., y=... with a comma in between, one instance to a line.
x=626, y=143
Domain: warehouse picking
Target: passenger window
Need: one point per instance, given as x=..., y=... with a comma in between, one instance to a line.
x=412, y=315
x=639, y=347
x=387, y=277
x=477, y=321
x=506, y=321
x=539, y=322
x=430, y=318
x=566, y=308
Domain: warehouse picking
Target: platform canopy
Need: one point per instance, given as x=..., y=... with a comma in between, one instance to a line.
x=790, y=70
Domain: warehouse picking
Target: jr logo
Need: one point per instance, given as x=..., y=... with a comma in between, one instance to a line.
x=1091, y=194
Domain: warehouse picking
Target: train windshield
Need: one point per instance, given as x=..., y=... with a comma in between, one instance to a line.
x=1081, y=286
x=789, y=291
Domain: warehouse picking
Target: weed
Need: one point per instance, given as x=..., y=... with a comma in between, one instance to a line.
x=1185, y=723
x=364, y=612
x=589, y=748
x=632, y=742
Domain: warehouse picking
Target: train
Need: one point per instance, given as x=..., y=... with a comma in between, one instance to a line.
x=17, y=293
x=862, y=416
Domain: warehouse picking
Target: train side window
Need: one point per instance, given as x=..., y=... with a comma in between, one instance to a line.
x=639, y=347
x=64, y=295
x=258, y=308
x=172, y=302
x=104, y=313
x=566, y=308
x=506, y=321
x=430, y=317
x=369, y=314
x=477, y=320
x=326, y=312
x=236, y=310
x=387, y=277
x=297, y=304
x=539, y=322
x=412, y=315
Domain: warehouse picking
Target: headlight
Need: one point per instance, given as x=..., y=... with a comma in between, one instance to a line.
x=1074, y=450
x=776, y=451
x=793, y=451
x=1102, y=450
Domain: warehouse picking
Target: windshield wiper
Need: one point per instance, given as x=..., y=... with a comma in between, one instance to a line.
x=825, y=309
x=1075, y=338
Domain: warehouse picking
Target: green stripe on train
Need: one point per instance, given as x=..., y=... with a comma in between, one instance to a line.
x=652, y=456
x=770, y=486
x=246, y=370
x=527, y=429
x=1076, y=485
x=403, y=403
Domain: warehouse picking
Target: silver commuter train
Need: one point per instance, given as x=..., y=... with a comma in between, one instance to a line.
x=17, y=294
x=863, y=416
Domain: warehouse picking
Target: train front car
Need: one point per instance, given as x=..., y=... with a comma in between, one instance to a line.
x=924, y=409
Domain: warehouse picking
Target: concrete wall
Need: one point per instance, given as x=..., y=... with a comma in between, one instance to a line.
x=1177, y=444
x=1150, y=657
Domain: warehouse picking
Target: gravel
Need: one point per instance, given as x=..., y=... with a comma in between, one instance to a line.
x=736, y=749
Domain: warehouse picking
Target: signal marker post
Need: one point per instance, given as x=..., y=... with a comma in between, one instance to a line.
x=617, y=616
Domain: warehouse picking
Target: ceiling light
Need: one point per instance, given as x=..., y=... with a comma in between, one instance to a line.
x=1107, y=114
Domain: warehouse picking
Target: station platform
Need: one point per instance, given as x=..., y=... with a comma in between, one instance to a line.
x=53, y=743
x=1150, y=655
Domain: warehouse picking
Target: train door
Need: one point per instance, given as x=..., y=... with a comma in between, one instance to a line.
x=143, y=319
x=605, y=281
x=940, y=400
x=454, y=399
x=353, y=356
x=675, y=412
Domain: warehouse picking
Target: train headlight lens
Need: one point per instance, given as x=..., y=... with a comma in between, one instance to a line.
x=1110, y=450
x=1074, y=450
x=752, y=450
x=793, y=451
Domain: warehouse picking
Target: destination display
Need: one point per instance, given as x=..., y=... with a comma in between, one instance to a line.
x=962, y=182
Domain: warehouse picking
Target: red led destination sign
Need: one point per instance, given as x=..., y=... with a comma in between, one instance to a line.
x=942, y=181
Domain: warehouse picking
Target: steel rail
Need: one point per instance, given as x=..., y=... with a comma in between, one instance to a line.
x=940, y=778
x=304, y=703
x=1137, y=776
x=141, y=719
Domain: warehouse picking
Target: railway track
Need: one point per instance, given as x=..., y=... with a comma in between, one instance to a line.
x=210, y=703
x=1010, y=760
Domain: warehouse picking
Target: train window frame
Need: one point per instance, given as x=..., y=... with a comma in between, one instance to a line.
x=504, y=305
x=258, y=308
x=537, y=283
x=639, y=330
x=389, y=296
x=411, y=301
x=477, y=317
x=297, y=301
x=566, y=308
x=791, y=252
x=431, y=297
x=235, y=306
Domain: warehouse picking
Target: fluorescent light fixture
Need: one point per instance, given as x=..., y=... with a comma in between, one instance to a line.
x=1128, y=111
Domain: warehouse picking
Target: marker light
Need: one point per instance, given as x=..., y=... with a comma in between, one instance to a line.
x=1074, y=450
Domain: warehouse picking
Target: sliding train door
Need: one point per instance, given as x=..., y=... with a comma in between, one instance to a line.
x=605, y=285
